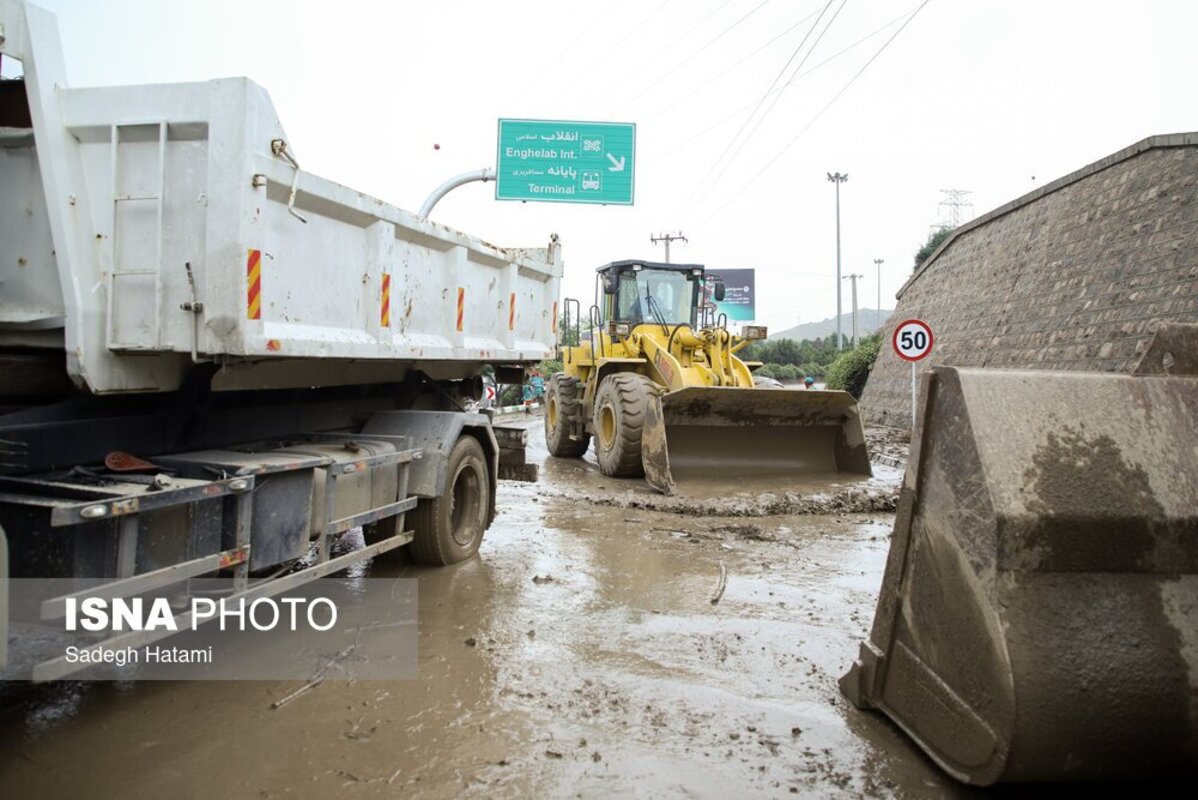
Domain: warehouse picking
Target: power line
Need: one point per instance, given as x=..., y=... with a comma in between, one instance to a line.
x=570, y=47
x=609, y=50
x=747, y=106
x=821, y=112
x=730, y=67
x=689, y=58
x=773, y=102
x=697, y=196
x=669, y=47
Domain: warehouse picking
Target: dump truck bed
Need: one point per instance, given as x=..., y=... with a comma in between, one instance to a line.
x=153, y=226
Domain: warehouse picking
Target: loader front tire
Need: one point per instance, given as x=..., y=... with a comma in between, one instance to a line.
x=619, y=421
x=449, y=528
x=563, y=406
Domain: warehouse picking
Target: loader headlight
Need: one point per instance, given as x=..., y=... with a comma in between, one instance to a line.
x=621, y=329
x=754, y=332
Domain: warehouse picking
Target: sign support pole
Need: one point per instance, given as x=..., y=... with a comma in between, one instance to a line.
x=484, y=175
x=912, y=342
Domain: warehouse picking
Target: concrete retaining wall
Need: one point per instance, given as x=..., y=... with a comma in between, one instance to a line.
x=1074, y=276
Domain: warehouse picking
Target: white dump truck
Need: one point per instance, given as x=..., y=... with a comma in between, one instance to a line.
x=214, y=361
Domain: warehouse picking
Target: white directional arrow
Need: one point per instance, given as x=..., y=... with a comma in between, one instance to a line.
x=617, y=164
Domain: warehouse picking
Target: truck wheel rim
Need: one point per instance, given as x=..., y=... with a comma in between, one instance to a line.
x=467, y=489
x=551, y=411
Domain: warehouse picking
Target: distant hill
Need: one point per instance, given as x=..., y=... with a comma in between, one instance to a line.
x=867, y=322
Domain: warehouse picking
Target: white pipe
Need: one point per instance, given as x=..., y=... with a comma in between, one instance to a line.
x=484, y=175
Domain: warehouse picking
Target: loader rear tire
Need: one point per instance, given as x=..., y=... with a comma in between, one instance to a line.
x=562, y=406
x=449, y=528
x=619, y=421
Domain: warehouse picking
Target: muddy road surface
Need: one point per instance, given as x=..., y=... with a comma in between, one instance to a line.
x=580, y=655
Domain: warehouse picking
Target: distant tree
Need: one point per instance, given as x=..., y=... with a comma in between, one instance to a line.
x=511, y=395
x=788, y=373
x=850, y=371
x=817, y=371
x=935, y=239
x=788, y=351
x=566, y=335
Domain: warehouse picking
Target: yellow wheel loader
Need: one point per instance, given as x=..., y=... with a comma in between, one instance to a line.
x=658, y=386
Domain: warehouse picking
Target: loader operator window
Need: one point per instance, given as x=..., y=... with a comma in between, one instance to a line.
x=655, y=296
x=628, y=304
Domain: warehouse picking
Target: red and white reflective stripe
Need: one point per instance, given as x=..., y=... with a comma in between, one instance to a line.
x=555, y=316
x=386, y=313
x=461, y=306
x=253, y=284
x=511, y=312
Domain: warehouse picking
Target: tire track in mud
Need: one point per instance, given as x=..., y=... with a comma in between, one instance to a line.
x=853, y=500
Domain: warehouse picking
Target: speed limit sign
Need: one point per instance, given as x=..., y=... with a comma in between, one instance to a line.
x=912, y=340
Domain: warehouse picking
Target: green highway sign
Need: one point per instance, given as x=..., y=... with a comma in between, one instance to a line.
x=557, y=161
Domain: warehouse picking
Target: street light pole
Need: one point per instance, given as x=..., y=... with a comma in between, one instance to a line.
x=878, y=312
x=854, y=278
x=838, y=179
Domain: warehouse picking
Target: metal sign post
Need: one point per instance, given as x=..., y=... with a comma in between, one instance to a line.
x=912, y=341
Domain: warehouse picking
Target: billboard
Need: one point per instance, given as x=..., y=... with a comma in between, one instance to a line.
x=740, y=295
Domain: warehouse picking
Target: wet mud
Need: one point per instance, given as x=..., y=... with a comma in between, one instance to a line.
x=736, y=493
x=593, y=649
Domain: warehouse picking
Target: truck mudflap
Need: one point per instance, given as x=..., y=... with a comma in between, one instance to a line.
x=1038, y=616
x=706, y=431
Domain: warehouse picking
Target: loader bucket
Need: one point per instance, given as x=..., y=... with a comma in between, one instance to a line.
x=735, y=433
x=1038, y=616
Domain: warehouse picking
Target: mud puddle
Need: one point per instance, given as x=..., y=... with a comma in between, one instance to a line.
x=581, y=654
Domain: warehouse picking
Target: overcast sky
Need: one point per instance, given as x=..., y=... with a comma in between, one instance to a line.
x=991, y=96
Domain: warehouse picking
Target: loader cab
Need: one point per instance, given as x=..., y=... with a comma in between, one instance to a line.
x=635, y=292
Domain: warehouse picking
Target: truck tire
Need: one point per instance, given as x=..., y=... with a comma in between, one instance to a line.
x=619, y=421
x=562, y=404
x=449, y=528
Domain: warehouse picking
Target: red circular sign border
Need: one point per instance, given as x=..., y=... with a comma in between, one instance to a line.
x=894, y=340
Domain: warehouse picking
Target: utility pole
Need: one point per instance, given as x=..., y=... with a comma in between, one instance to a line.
x=838, y=179
x=667, y=238
x=878, y=311
x=854, y=278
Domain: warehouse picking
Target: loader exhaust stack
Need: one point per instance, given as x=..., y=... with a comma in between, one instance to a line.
x=1038, y=616
x=705, y=431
